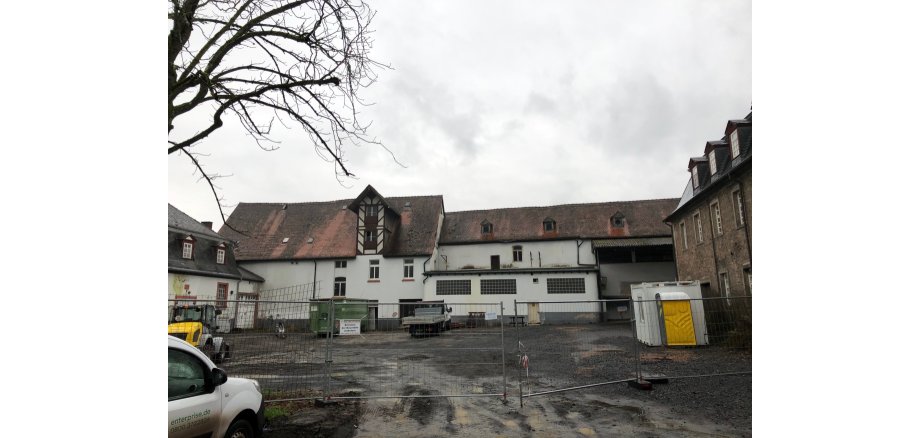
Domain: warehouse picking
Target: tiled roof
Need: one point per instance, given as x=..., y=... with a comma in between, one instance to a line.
x=326, y=229
x=643, y=219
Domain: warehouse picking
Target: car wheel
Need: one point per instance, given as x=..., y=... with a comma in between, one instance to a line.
x=240, y=429
x=222, y=354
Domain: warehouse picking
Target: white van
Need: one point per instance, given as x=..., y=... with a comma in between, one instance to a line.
x=203, y=401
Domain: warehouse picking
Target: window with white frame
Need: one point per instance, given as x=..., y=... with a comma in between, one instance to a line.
x=739, y=208
x=696, y=177
x=338, y=288
x=736, y=145
x=699, y=227
x=712, y=162
x=408, y=269
x=188, y=248
x=517, y=253
x=726, y=287
x=716, y=218
x=221, y=254
x=549, y=225
x=374, y=273
x=683, y=232
x=372, y=211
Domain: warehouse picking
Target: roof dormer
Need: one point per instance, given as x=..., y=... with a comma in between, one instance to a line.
x=738, y=134
x=717, y=156
x=618, y=220
x=485, y=228
x=549, y=225
x=188, y=247
x=699, y=171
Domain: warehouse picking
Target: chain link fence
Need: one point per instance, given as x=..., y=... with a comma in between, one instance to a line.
x=346, y=348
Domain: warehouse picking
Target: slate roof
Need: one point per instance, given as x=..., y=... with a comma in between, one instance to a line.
x=318, y=230
x=586, y=221
x=204, y=257
x=725, y=165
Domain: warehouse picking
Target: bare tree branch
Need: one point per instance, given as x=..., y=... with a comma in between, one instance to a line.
x=265, y=60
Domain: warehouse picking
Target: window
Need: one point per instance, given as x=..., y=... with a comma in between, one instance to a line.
x=186, y=375
x=338, y=288
x=739, y=208
x=747, y=276
x=341, y=263
x=370, y=236
x=374, y=273
x=549, y=225
x=565, y=285
x=683, y=233
x=371, y=211
x=498, y=287
x=517, y=253
x=188, y=247
x=726, y=289
x=408, y=269
x=712, y=162
x=486, y=228
x=699, y=227
x=696, y=177
x=618, y=220
x=222, y=289
x=736, y=145
x=453, y=287
x=221, y=253
x=716, y=218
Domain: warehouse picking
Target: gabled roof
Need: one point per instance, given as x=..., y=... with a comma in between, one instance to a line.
x=318, y=230
x=586, y=221
x=369, y=192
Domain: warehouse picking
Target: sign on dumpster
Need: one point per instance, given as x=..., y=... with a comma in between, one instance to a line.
x=350, y=327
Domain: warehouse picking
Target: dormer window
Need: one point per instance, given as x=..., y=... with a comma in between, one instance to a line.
x=221, y=254
x=549, y=225
x=372, y=210
x=485, y=227
x=696, y=177
x=712, y=162
x=618, y=220
x=736, y=145
x=188, y=247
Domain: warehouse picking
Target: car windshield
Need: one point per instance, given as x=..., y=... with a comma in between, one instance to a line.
x=187, y=314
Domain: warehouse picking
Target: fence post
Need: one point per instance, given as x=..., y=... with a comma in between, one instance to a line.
x=504, y=378
x=331, y=327
x=520, y=378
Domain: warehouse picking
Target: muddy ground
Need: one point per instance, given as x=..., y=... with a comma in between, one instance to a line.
x=467, y=365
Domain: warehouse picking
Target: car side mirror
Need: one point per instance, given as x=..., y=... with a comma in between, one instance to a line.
x=218, y=376
x=218, y=312
x=450, y=309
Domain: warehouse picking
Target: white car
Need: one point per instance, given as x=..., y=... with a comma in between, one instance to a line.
x=204, y=402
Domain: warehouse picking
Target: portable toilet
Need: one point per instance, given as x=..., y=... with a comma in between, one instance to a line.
x=669, y=313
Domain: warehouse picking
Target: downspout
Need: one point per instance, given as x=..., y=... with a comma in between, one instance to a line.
x=425, y=269
x=674, y=251
x=314, y=279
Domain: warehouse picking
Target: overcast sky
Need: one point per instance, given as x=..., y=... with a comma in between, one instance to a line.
x=512, y=104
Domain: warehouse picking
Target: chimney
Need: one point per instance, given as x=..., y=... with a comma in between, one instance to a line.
x=208, y=224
